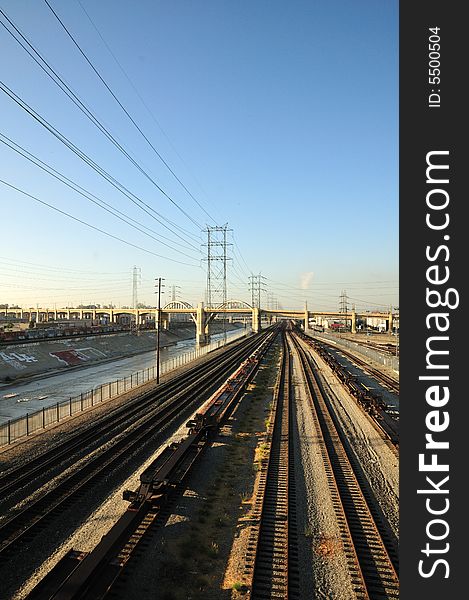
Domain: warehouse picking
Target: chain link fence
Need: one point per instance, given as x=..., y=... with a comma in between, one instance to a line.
x=14, y=429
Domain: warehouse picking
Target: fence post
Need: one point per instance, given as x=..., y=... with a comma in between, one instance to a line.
x=9, y=431
x=58, y=419
x=27, y=423
x=70, y=404
x=43, y=418
x=81, y=402
x=101, y=393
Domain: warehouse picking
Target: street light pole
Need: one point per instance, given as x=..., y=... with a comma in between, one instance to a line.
x=158, y=331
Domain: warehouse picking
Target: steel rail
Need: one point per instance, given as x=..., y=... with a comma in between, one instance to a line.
x=96, y=574
x=17, y=477
x=379, y=375
x=30, y=521
x=376, y=556
x=271, y=569
x=373, y=404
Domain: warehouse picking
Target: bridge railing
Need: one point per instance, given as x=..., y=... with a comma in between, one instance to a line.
x=30, y=423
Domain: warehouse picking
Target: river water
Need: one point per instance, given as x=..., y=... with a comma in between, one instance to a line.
x=30, y=396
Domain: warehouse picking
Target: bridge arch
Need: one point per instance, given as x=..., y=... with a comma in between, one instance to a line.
x=235, y=304
x=181, y=304
x=177, y=304
x=232, y=304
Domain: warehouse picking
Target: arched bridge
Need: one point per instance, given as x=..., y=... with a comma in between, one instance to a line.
x=202, y=316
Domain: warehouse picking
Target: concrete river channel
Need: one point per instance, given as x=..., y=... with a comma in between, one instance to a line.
x=29, y=396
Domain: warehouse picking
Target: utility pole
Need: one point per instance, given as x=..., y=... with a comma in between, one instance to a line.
x=136, y=279
x=159, y=285
x=251, y=286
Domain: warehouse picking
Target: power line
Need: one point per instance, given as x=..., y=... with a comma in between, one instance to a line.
x=86, y=194
x=334, y=283
x=65, y=88
x=143, y=101
x=6, y=272
x=89, y=161
x=249, y=270
x=133, y=122
x=92, y=226
x=48, y=268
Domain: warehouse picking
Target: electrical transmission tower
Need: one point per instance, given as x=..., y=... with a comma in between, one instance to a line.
x=217, y=260
x=344, y=306
x=256, y=285
x=160, y=287
x=136, y=279
x=175, y=292
x=272, y=302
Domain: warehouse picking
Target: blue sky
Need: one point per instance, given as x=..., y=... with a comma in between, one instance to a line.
x=281, y=119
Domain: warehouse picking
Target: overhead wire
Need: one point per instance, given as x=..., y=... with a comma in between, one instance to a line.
x=85, y=158
x=131, y=119
x=86, y=194
x=61, y=269
x=93, y=226
x=236, y=247
x=65, y=88
x=150, y=112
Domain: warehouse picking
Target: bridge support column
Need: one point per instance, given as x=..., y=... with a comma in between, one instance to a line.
x=306, y=319
x=256, y=320
x=354, y=322
x=390, y=326
x=201, y=334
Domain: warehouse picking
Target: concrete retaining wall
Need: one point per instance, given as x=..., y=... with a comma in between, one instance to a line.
x=18, y=361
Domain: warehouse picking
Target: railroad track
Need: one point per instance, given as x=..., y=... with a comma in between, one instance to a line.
x=388, y=381
x=19, y=530
x=98, y=574
x=110, y=425
x=369, y=546
x=384, y=415
x=271, y=569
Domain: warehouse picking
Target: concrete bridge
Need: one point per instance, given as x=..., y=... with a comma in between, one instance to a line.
x=202, y=316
